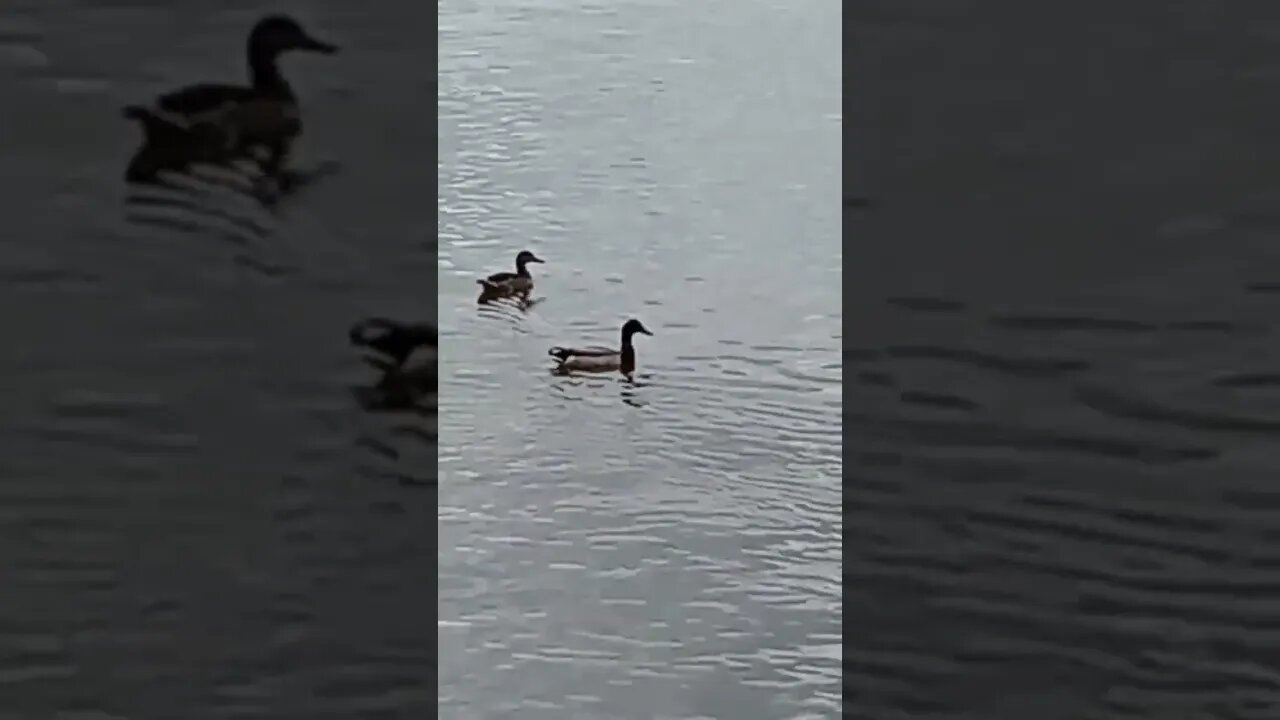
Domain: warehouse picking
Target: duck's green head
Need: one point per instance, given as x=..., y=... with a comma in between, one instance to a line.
x=525, y=257
x=633, y=326
x=275, y=34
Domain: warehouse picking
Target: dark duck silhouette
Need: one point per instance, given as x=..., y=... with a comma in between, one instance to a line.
x=404, y=387
x=507, y=284
x=170, y=146
x=409, y=374
x=263, y=113
x=394, y=339
x=601, y=359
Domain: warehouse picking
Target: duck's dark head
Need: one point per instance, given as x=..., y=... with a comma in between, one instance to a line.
x=275, y=34
x=633, y=326
x=525, y=257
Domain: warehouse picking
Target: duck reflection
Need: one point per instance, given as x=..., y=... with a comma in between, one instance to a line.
x=630, y=396
x=631, y=388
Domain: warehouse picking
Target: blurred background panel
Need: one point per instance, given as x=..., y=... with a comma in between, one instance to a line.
x=196, y=517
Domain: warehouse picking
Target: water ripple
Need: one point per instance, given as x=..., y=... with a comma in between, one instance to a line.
x=667, y=546
x=1094, y=514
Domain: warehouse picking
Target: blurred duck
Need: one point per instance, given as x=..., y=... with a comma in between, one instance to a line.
x=394, y=339
x=405, y=386
x=265, y=112
x=601, y=359
x=409, y=370
x=506, y=284
x=170, y=146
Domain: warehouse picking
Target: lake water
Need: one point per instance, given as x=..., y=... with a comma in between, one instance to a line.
x=1064, y=403
x=668, y=549
x=196, y=518
x=1062, y=412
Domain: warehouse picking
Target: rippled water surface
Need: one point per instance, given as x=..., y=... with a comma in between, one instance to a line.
x=196, y=518
x=668, y=549
x=1064, y=393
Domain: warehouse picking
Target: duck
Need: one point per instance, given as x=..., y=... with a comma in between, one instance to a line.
x=503, y=284
x=402, y=387
x=394, y=339
x=409, y=374
x=265, y=111
x=408, y=385
x=169, y=146
x=601, y=359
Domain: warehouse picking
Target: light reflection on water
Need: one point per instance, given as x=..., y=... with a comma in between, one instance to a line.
x=666, y=547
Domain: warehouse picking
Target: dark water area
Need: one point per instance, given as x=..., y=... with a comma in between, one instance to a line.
x=197, y=518
x=1063, y=404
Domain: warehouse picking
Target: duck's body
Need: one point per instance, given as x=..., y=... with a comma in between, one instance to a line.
x=170, y=146
x=407, y=385
x=394, y=339
x=402, y=388
x=263, y=113
x=597, y=359
x=506, y=284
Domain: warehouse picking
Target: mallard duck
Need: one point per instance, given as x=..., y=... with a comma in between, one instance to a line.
x=264, y=112
x=503, y=284
x=169, y=146
x=601, y=359
x=394, y=339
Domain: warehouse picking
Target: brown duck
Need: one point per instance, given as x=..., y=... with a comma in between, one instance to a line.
x=506, y=284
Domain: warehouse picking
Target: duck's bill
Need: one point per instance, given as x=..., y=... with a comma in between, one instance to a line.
x=315, y=45
x=645, y=331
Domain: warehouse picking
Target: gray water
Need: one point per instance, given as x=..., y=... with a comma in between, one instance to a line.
x=668, y=549
x=196, y=518
x=1064, y=404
